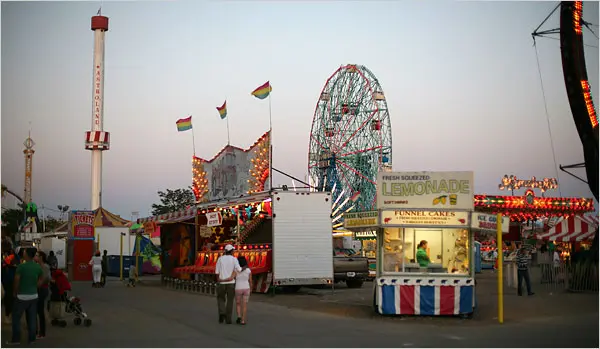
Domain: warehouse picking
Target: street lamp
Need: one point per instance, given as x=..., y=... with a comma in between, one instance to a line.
x=63, y=209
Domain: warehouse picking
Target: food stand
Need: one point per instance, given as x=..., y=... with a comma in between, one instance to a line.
x=425, y=206
x=362, y=226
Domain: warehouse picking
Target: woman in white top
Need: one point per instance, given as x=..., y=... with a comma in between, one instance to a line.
x=243, y=287
x=96, y=263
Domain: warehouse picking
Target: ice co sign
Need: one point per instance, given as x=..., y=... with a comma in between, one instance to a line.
x=425, y=190
x=487, y=222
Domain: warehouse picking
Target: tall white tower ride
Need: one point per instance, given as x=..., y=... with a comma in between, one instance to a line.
x=97, y=140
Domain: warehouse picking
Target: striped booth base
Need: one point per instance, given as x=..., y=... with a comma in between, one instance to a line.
x=429, y=296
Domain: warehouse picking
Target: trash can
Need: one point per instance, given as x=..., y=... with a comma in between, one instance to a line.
x=114, y=262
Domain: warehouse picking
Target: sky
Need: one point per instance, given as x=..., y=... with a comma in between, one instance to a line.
x=460, y=78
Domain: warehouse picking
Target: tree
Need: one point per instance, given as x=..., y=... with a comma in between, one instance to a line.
x=173, y=200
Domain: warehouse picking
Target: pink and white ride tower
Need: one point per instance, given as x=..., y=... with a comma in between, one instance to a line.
x=97, y=140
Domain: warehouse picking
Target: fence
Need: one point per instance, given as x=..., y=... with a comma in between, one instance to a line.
x=580, y=277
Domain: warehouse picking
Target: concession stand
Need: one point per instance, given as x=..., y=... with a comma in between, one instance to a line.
x=363, y=226
x=424, y=262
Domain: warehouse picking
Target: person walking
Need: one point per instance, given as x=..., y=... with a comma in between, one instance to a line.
x=43, y=292
x=9, y=267
x=243, y=288
x=104, y=267
x=52, y=260
x=227, y=264
x=96, y=263
x=523, y=270
x=28, y=277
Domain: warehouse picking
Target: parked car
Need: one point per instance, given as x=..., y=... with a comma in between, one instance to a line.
x=349, y=267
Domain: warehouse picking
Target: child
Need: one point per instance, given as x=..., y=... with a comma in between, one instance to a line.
x=59, y=285
x=132, y=276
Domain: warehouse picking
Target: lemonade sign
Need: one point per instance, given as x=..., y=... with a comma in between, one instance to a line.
x=425, y=190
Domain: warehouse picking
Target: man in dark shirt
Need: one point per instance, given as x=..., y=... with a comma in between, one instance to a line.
x=104, y=268
x=523, y=270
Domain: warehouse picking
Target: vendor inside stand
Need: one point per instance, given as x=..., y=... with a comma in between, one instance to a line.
x=431, y=250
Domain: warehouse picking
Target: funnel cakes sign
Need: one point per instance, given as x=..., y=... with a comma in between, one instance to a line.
x=425, y=190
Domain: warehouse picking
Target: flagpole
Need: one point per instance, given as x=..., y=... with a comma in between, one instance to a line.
x=270, y=146
x=227, y=117
x=193, y=140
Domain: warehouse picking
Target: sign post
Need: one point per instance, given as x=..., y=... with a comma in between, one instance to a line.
x=500, y=248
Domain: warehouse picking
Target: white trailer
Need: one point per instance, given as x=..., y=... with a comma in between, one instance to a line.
x=109, y=239
x=302, y=238
x=59, y=246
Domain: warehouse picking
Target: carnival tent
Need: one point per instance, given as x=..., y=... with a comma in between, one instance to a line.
x=572, y=229
x=104, y=218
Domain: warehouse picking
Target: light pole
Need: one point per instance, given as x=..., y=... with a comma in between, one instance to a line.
x=63, y=209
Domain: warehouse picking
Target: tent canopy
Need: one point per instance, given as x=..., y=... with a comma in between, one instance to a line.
x=572, y=229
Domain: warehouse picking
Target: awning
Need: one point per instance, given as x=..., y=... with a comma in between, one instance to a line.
x=572, y=229
x=173, y=217
x=184, y=215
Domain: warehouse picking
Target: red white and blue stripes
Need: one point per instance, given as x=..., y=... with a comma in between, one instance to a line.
x=425, y=296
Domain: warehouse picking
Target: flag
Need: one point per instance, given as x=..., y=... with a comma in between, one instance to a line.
x=184, y=124
x=355, y=197
x=223, y=110
x=262, y=91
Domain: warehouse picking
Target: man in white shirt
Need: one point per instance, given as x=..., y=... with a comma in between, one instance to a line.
x=226, y=265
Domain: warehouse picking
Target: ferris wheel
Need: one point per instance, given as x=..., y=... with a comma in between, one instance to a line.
x=350, y=140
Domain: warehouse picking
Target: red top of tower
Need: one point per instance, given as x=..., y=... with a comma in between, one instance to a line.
x=100, y=22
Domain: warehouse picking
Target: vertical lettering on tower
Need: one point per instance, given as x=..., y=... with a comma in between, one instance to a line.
x=97, y=98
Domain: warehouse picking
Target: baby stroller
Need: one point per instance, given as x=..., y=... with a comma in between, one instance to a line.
x=61, y=303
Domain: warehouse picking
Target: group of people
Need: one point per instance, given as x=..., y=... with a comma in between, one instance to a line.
x=27, y=278
x=99, y=266
x=234, y=279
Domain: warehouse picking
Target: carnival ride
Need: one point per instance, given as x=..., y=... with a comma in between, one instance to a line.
x=350, y=140
x=578, y=87
x=577, y=84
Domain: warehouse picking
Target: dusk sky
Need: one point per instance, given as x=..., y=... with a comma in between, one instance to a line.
x=460, y=78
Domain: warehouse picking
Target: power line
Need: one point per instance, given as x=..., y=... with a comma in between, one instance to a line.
x=537, y=58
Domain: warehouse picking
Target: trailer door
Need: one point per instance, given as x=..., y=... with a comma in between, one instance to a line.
x=302, y=238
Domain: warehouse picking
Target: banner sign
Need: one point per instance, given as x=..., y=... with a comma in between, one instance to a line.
x=487, y=222
x=214, y=219
x=365, y=235
x=83, y=225
x=425, y=190
x=425, y=218
x=360, y=219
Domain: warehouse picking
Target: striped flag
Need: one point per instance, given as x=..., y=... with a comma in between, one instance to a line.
x=223, y=110
x=184, y=124
x=262, y=91
x=355, y=197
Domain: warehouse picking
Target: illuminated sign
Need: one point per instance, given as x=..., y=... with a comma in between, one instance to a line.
x=512, y=183
x=589, y=104
x=360, y=219
x=425, y=190
x=424, y=218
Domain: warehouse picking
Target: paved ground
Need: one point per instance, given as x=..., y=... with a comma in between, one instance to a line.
x=150, y=316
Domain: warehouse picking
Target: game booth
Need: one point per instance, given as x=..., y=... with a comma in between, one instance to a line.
x=190, y=257
x=284, y=235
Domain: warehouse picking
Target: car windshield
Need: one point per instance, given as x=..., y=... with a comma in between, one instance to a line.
x=344, y=252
